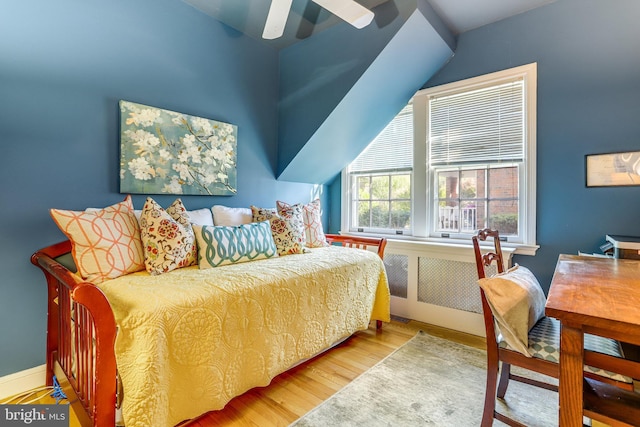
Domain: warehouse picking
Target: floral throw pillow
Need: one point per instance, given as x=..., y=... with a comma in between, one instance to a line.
x=293, y=213
x=167, y=237
x=263, y=214
x=288, y=237
x=287, y=233
x=312, y=222
x=105, y=242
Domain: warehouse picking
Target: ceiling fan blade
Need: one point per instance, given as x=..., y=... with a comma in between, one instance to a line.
x=350, y=11
x=276, y=19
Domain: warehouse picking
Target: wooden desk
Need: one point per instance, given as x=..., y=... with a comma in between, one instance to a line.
x=590, y=295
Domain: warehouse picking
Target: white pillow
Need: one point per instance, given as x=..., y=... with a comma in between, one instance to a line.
x=201, y=217
x=517, y=303
x=230, y=217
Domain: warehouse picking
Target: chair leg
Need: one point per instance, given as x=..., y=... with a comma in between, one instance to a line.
x=490, y=394
x=504, y=379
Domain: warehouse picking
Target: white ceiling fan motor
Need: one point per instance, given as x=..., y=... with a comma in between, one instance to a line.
x=348, y=10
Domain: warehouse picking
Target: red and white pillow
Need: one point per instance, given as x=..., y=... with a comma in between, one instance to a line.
x=312, y=214
x=105, y=243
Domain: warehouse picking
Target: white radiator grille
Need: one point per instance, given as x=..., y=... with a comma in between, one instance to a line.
x=436, y=283
x=447, y=283
x=397, y=267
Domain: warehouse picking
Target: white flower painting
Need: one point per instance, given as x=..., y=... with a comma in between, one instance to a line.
x=164, y=152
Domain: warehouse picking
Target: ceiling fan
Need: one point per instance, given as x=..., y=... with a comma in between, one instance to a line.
x=348, y=10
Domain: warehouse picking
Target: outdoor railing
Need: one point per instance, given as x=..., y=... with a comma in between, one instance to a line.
x=452, y=218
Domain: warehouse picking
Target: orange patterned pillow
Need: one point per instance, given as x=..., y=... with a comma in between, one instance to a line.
x=106, y=243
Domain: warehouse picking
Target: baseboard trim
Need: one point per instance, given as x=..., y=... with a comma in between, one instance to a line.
x=19, y=382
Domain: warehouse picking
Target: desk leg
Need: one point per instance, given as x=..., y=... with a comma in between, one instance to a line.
x=571, y=373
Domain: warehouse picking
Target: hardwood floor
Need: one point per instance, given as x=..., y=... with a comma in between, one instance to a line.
x=297, y=391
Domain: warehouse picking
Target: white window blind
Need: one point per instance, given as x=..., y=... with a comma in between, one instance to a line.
x=484, y=125
x=392, y=149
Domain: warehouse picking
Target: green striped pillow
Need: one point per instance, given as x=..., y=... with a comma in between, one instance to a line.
x=221, y=245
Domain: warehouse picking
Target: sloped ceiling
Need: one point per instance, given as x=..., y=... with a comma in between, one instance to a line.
x=339, y=86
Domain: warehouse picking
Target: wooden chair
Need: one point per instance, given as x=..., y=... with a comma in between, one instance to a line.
x=498, y=352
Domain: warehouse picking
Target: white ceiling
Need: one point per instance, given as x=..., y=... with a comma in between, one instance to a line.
x=306, y=18
x=465, y=15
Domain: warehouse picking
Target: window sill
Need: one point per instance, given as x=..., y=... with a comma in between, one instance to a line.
x=411, y=242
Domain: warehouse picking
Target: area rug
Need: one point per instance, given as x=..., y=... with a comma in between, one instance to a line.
x=429, y=381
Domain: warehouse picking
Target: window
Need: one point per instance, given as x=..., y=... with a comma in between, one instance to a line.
x=470, y=199
x=381, y=179
x=458, y=158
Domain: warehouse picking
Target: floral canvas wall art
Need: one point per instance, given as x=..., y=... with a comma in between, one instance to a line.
x=164, y=152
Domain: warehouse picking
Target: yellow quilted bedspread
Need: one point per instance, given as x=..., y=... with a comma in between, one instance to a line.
x=190, y=340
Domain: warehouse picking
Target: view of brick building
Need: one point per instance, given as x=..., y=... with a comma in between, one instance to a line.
x=466, y=204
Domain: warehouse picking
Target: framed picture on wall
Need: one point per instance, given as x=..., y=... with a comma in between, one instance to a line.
x=164, y=152
x=613, y=169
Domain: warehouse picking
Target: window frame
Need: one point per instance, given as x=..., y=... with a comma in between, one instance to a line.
x=423, y=177
x=487, y=199
x=354, y=190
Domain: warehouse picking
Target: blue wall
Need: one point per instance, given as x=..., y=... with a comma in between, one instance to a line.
x=588, y=102
x=63, y=67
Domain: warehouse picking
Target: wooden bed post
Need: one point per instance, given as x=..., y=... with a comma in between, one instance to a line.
x=86, y=340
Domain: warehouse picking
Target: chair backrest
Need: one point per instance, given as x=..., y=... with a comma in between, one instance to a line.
x=359, y=242
x=484, y=260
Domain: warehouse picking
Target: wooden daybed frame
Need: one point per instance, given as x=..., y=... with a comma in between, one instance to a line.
x=81, y=333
